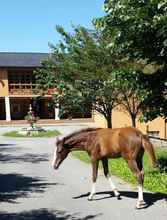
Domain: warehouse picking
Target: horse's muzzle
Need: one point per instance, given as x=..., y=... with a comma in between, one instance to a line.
x=55, y=167
x=57, y=164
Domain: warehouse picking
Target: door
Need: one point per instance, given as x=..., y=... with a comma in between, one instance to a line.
x=16, y=111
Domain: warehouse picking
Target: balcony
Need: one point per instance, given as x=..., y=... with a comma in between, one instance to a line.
x=27, y=89
x=23, y=89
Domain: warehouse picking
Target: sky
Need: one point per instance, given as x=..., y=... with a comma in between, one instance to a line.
x=29, y=25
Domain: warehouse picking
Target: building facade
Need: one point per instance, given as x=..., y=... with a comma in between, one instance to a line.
x=18, y=85
x=17, y=92
x=156, y=127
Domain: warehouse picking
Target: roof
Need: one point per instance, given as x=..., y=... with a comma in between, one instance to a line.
x=8, y=59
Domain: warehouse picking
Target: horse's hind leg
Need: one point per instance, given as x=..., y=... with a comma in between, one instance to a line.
x=95, y=165
x=136, y=168
x=140, y=187
x=106, y=173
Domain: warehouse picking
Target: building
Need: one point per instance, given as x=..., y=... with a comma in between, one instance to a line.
x=17, y=86
x=17, y=92
x=156, y=127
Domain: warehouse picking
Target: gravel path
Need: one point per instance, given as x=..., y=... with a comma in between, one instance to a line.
x=30, y=189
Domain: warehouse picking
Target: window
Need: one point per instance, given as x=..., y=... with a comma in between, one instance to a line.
x=21, y=77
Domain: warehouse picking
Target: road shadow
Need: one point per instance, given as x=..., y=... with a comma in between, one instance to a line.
x=44, y=214
x=150, y=198
x=14, y=186
x=26, y=158
x=7, y=147
x=7, y=156
x=4, y=145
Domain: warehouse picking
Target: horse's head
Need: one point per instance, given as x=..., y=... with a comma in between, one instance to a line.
x=60, y=153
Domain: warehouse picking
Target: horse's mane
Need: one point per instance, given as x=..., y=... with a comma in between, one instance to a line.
x=79, y=132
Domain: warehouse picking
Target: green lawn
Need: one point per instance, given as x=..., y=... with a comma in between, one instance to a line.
x=48, y=133
x=155, y=179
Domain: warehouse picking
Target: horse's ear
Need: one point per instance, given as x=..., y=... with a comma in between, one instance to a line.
x=57, y=140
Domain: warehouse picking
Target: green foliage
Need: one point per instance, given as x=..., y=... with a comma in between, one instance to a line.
x=86, y=72
x=139, y=27
x=138, y=33
x=79, y=70
x=155, y=180
x=133, y=93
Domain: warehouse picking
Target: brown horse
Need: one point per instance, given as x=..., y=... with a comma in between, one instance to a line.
x=103, y=143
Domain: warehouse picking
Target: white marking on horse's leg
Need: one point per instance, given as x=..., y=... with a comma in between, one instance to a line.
x=54, y=158
x=140, y=203
x=113, y=187
x=93, y=191
x=140, y=193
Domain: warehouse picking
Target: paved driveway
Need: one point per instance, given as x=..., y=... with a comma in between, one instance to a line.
x=30, y=189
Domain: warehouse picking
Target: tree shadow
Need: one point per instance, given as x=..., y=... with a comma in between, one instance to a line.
x=14, y=186
x=7, y=147
x=27, y=158
x=44, y=214
x=6, y=155
x=150, y=198
x=4, y=145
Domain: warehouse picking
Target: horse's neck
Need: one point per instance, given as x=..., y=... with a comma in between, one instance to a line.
x=78, y=142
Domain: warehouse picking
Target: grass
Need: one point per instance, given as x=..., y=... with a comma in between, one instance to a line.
x=155, y=179
x=48, y=133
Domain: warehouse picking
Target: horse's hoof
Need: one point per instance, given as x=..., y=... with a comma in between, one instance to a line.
x=90, y=198
x=119, y=197
x=141, y=205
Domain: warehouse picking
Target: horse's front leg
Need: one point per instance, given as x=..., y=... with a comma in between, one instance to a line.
x=107, y=175
x=95, y=165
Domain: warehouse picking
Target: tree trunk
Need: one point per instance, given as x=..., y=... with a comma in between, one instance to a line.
x=133, y=119
x=109, y=120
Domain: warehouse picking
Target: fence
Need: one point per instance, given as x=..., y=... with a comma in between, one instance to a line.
x=157, y=141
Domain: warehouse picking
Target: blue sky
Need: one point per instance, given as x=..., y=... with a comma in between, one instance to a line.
x=28, y=25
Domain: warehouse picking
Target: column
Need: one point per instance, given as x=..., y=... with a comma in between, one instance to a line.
x=57, y=114
x=7, y=108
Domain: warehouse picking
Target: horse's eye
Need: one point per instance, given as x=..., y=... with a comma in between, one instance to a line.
x=66, y=145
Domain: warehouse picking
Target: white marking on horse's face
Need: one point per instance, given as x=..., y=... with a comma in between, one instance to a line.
x=55, y=153
x=60, y=154
x=54, y=158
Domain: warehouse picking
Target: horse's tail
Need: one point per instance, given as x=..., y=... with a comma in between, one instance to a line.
x=148, y=147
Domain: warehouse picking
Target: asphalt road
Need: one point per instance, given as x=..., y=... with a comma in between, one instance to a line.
x=30, y=189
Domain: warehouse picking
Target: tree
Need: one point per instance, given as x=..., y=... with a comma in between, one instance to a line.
x=80, y=70
x=64, y=95
x=138, y=32
x=139, y=27
x=132, y=92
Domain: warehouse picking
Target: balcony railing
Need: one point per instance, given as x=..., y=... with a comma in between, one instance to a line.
x=22, y=89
